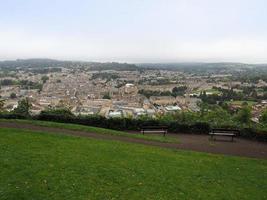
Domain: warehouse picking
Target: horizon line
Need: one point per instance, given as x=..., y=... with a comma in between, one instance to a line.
x=129, y=62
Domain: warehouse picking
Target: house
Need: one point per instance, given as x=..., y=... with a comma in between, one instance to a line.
x=115, y=114
x=170, y=109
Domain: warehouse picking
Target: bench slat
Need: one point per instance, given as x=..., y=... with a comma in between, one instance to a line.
x=155, y=131
x=225, y=134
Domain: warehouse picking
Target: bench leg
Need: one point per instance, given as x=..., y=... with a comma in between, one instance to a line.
x=211, y=137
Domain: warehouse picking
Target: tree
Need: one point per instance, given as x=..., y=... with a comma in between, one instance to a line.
x=44, y=78
x=244, y=103
x=23, y=108
x=13, y=95
x=179, y=91
x=106, y=96
x=244, y=115
x=2, y=103
x=218, y=117
x=263, y=117
x=204, y=107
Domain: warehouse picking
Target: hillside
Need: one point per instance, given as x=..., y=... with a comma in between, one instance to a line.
x=40, y=165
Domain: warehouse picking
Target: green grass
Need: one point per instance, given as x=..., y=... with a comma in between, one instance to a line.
x=76, y=127
x=36, y=165
x=213, y=91
x=239, y=103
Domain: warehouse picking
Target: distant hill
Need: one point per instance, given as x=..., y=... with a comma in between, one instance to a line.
x=186, y=66
x=44, y=63
x=193, y=65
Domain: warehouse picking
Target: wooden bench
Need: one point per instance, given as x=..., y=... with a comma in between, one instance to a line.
x=154, y=129
x=223, y=132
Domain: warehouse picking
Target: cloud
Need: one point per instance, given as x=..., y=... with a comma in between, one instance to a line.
x=20, y=44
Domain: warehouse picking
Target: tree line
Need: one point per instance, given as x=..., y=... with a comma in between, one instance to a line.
x=209, y=116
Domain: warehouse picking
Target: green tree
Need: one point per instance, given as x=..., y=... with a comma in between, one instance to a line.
x=23, y=108
x=218, y=117
x=13, y=95
x=106, y=96
x=263, y=117
x=2, y=103
x=204, y=107
x=244, y=115
x=44, y=78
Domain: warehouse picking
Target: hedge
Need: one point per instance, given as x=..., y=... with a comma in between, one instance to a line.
x=133, y=124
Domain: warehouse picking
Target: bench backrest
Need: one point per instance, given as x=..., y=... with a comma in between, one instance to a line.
x=154, y=127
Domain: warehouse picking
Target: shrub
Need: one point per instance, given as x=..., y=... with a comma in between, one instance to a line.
x=181, y=124
x=58, y=115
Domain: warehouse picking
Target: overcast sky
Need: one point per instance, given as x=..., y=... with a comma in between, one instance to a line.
x=135, y=30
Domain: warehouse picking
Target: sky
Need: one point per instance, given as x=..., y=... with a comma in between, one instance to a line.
x=135, y=31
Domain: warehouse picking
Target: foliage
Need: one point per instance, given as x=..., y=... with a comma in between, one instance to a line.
x=2, y=104
x=106, y=96
x=176, y=91
x=244, y=115
x=13, y=95
x=149, y=93
x=6, y=82
x=228, y=95
x=179, y=91
x=186, y=122
x=108, y=76
x=44, y=78
x=61, y=115
x=23, y=108
x=263, y=117
x=26, y=84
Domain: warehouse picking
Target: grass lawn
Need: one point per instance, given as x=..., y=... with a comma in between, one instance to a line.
x=213, y=91
x=52, y=166
x=76, y=127
x=208, y=91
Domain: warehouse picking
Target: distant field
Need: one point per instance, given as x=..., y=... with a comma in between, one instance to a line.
x=37, y=165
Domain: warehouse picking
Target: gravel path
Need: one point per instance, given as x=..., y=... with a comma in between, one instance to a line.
x=201, y=143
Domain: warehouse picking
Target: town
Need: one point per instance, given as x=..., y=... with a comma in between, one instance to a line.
x=126, y=90
x=133, y=100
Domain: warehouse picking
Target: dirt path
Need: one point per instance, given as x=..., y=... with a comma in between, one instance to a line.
x=201, y=143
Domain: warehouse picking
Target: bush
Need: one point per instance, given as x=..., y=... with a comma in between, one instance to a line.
x=181, y=124
x=200, y=127
x=9, y=115
x=254, y=134
x=58, y=115
x=23, y=108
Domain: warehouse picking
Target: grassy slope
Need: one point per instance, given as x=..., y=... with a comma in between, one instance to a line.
x=46, y=166
x=76, y=127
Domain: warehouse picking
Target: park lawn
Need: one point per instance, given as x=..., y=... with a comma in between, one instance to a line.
x=151, y=137
x=37, y=165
